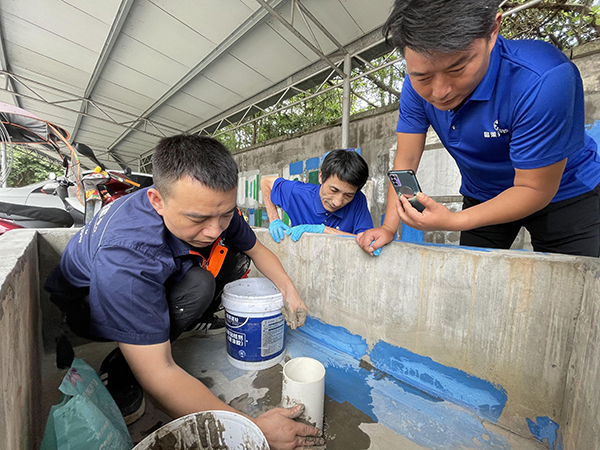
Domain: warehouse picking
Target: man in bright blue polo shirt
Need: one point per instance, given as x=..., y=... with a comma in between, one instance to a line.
x=336, y=206
x=151, y=263
x=511, y=114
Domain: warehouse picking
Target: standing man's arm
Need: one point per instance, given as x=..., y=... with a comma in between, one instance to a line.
x=179, y=393
x=277, y=228
x=408, y=155
x=533, y=189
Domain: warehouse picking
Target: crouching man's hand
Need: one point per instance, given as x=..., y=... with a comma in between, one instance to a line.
x=294, y=310
x=283, y=433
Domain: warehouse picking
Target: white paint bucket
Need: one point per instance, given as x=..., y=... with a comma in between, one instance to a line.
x=208, y=430
x=304, y=382
x=255, y=327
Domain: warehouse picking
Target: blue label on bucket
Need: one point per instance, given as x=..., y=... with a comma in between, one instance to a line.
x=254, y=339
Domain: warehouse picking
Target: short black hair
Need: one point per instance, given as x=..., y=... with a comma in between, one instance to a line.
x=347, y=165
x=446, y=26
x=200, y=157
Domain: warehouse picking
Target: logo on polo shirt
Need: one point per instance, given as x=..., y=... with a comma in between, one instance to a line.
x=498, y=132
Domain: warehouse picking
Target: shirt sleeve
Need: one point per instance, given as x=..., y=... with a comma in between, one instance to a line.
x=545, y=130
x=362, y=218
x=281, y=192
x=412, y=118
x=127, y=296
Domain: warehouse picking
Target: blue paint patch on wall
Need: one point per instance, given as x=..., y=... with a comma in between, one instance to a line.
x=313, y=163
x=427, y=421
x=594, y=130
x=345, y=380
x=545, y=428
x=297, y=168
x=448, y=383
x=335, y=337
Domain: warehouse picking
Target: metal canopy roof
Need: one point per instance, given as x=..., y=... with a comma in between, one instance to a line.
x=120, y=74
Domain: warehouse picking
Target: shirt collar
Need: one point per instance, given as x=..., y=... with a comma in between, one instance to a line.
x=177, y=246
x=487, y=85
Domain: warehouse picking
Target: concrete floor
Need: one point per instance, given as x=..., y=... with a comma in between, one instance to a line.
x=364, y=410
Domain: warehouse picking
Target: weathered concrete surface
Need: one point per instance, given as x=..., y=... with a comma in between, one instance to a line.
x=508, y=317
x=51, y=243
x=526, y=322
x=21, y=423
x=582, y=400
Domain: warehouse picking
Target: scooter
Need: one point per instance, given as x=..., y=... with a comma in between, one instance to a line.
x=44, y=204
x=105, y=186
x=101, y=187
x=14, y=215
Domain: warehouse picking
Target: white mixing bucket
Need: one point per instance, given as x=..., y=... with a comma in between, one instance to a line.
x=208, y=430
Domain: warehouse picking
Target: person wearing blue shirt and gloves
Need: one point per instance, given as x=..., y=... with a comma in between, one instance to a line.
x=149, y=265
x=335, y=206
x=511, y=114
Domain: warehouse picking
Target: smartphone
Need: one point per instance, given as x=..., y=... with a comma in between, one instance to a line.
x=405, y=183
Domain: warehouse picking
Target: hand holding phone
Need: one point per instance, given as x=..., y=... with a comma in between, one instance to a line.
x=405, y=184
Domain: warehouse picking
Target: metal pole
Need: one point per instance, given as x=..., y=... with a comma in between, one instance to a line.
x=346, y=101
x=4, y=166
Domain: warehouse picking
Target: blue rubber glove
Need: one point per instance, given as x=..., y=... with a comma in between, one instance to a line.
x=299, y=230
x=376, y=252
x=278, y=230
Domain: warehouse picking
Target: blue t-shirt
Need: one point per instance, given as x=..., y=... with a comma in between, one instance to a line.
x=125, y=255
x=526, y=113
x=303, y=205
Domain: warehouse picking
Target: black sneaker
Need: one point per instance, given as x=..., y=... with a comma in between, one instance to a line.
x=206, y=326
x=122, y=386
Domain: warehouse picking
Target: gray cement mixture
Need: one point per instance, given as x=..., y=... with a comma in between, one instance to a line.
x=206, y=432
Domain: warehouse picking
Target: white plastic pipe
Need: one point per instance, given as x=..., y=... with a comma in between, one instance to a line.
x=304, y=382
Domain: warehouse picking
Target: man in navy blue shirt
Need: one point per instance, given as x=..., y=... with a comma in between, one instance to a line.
x=511, y=114
x=151, y=263
x=335, y=206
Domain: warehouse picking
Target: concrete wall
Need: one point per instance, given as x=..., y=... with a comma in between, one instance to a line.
x=21, y=423
x=525, y=322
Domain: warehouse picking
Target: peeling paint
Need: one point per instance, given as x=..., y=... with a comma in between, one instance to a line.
x=547, y=429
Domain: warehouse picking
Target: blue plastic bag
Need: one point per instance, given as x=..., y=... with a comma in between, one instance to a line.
x=87, y=417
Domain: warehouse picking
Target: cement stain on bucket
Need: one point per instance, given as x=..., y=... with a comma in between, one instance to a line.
x=255, y=327
x=209, y=430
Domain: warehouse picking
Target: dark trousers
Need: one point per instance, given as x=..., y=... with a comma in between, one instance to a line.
x=570, y=226
x=197, y=295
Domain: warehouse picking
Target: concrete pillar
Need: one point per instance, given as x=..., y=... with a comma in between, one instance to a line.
x=346, y=101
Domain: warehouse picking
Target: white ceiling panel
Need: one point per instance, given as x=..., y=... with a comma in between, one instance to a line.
x=213, y=94
x=378, y=12
x=54, y=20
x=175, y=39
x=235, y=75
x=268, y=54
x=215, y=20
x=146, y=60
x=104, y=11
x=133, y=81
x=179, y=64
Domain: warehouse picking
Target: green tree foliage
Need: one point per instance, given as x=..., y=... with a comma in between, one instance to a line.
x=27, y=168
x=565, y=24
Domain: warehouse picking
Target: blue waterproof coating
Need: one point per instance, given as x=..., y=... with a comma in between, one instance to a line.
x=254, y=339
